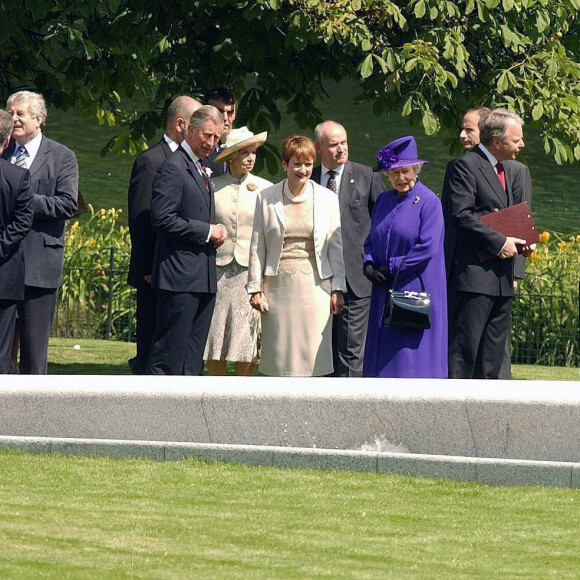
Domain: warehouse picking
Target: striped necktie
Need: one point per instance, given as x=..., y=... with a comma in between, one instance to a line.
x=21, y=157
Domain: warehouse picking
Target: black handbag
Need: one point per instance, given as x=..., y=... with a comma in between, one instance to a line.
x=407, y=309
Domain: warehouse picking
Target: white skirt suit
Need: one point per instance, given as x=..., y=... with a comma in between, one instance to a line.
x=297, y=329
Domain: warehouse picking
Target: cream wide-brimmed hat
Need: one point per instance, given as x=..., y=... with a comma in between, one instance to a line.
x=237, y=139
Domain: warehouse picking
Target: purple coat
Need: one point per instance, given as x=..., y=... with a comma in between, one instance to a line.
x=408, y=227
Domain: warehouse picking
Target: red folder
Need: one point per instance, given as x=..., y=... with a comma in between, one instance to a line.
x=515, y=221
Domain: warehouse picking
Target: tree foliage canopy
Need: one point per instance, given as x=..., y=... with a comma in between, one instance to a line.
x=429, y=59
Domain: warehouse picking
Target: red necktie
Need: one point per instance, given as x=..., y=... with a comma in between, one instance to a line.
x=204, y=175
x=501, y=174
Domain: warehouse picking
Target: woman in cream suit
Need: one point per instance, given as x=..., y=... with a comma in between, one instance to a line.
x=296, y=273
x=233, y=335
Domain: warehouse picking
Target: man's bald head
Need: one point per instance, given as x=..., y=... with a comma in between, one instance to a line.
x=178, y=116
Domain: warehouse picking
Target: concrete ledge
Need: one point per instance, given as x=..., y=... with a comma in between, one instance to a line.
x=487, y=471
x=405, y=420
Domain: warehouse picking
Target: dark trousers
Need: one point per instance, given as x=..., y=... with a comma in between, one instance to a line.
x=7, y=323
x=349, y=331
x=505, y=372
x=145, y=315
x=478, y=330
x=35, y=314
x=182, y=326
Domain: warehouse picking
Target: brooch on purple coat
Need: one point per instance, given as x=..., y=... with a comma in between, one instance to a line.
x=416, y=200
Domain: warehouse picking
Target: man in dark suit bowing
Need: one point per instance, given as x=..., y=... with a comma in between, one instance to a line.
x=16, y=215
x=357, y=188
x=143, y=173
x=483, y=290
x=54, y=180
x=184, y=271
x=519, y=176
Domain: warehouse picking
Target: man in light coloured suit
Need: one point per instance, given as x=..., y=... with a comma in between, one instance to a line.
x=357, y=188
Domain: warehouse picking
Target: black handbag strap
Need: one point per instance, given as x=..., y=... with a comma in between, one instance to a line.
x=399, y=271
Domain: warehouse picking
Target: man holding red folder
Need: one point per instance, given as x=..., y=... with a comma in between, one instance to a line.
x=483, y=290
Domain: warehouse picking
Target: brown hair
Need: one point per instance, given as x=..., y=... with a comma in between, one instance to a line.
x=300, y=147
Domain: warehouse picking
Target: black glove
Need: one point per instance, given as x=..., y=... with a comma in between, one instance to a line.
x=379, y=276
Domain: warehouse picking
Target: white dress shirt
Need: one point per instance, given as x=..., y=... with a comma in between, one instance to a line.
x=32, y=148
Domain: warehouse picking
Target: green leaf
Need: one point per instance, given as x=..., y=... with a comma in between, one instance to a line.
x=553, y=67
x=430, y=123
x=366, y=45
x=502, y=82
x=410, y=64
x=420, y=9
x=382, y=63
x=507, y=4
x=538, y=111
x=560, y=154
x=366, y=69
x=541, y=22
x=407, y=107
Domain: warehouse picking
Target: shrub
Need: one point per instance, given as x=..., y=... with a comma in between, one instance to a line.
x=94, y=299
x=545, y=314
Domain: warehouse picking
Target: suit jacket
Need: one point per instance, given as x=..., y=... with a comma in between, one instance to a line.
x=268, y=237
x=182, y=210
x=54, y=181
x=518, y=175
x=234, y=208
x=472, y=189
x=16, y=215
x=139, y=204
x=359, y=189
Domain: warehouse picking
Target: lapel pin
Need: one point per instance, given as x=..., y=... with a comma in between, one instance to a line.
x=417, y=200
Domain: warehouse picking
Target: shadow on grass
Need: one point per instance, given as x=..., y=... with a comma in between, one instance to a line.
x=88, y=369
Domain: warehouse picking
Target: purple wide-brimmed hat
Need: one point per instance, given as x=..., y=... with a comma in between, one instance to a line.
x=399, y=153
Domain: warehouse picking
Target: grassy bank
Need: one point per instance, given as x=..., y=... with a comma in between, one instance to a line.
x=72, y=517
x=108, y=357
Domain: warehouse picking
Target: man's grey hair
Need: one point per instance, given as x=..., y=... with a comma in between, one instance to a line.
x=34, y=101
x=6, y=124
x=318, y=137
x=494, y=125
x=204, y=114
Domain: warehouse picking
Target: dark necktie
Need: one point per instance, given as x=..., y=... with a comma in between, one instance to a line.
x=331, y=183
x=501, y=174
x=21, y=157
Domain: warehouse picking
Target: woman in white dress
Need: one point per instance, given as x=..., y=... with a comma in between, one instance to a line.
x=296, y=273
x=233, y=335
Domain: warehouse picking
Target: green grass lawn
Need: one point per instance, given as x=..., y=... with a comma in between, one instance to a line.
x=76, y=517
x=108, y=357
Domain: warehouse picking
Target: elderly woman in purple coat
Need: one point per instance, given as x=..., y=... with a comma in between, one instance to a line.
x=406, y=237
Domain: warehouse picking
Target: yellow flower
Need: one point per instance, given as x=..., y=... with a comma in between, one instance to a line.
x=562, y=244
x=534, y=256
x=544, y=236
